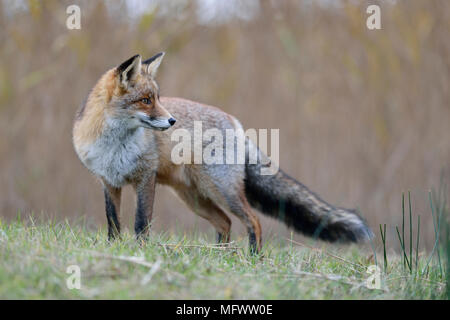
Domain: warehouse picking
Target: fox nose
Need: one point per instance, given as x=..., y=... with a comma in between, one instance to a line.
x=172, y=121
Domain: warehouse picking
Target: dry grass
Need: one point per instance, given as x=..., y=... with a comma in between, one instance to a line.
x=33, y=265
x=363, y=115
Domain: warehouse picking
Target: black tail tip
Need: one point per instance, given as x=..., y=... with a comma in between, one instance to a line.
x=346, y=226
x=364, y=234
x=357, y=228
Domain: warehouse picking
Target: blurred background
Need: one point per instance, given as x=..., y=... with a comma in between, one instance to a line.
x=363, y=114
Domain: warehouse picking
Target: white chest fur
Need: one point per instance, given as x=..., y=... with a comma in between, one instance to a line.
x=118, y=154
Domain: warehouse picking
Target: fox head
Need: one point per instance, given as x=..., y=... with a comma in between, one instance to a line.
x=134, y=99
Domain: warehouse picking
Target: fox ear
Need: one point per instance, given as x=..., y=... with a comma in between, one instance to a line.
x=129, y=70
x=153, y=63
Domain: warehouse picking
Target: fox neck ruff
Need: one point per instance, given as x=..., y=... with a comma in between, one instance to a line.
x=120, y=153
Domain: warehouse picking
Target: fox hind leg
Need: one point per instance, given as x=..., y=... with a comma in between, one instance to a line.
x=208, y=210
x=223, y=237
x=240, y=207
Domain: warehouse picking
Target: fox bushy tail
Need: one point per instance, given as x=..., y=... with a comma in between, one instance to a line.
x=289, y=201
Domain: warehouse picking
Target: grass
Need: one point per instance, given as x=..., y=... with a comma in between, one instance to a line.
x=34, y=258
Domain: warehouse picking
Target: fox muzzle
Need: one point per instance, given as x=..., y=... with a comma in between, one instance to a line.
x=157, y=123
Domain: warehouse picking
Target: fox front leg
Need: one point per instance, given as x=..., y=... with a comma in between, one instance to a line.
x=145, y=192
x=112, y=205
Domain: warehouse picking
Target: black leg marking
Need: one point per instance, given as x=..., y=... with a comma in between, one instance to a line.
x=111, y=216
x=142, y=222
x=253, y=244
x=223, y=238
x=219, y=237
x=141, y=225
x=145, y=192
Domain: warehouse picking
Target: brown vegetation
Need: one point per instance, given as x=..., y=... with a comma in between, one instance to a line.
x=363, y=115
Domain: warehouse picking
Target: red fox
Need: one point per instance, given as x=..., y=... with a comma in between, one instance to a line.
x=122, y=135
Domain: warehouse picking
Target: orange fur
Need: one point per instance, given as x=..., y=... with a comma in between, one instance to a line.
x=91, y=126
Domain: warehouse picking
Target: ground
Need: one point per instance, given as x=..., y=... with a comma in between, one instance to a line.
x=34, y=260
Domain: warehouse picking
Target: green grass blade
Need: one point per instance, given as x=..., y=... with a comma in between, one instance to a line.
x=410, y=230
x=403, y=226
x=383, y=239
x=417, y=244
x=436, y=224
x=405, y=257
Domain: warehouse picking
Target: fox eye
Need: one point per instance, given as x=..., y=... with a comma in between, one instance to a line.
x=146, y=101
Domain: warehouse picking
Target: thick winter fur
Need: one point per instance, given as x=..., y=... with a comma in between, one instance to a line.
x=122, y=135
x=289, y=201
